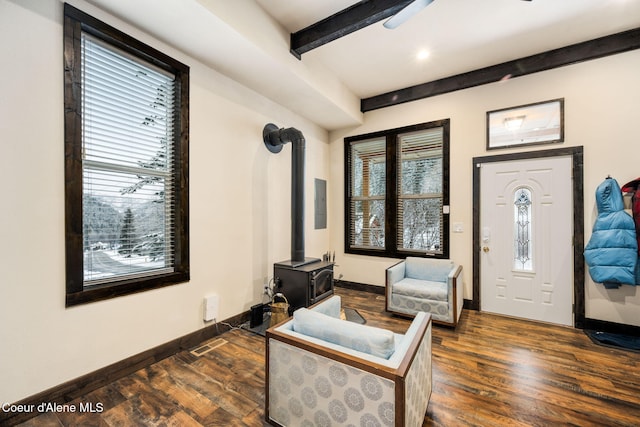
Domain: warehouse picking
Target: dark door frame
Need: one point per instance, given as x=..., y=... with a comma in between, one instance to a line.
x=576, y=154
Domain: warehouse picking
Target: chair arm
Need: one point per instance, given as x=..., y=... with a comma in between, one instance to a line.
x=395, y=273
x=455, y=292
x=411, y=339
x=455, y=272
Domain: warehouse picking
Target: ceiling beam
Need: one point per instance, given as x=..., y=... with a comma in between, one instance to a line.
x=353, y=18
x=592, y=49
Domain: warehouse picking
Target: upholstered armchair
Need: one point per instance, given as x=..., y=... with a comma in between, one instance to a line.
x=322, y=370
x=425, y=284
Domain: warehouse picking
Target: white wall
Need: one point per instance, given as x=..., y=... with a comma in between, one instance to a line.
x=239, y=205
x=602, y=100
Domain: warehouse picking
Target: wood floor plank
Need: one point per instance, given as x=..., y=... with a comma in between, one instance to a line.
x=255, y=419
x=47, y=419
x=222, y=418
x=227, y=382
x=489, y=371
x=194, y=403
x=144, y=404
x=125, y=414
x=180, y=419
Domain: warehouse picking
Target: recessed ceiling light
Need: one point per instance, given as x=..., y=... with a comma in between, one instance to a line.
x=422, y=55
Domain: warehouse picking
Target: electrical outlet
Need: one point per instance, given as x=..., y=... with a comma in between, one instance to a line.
x=211, y=307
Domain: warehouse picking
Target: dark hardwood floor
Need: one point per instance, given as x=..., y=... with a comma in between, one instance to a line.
x=490, y=371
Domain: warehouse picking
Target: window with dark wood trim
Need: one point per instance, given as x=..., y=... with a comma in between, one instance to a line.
x=397, y=192
x=126, y=163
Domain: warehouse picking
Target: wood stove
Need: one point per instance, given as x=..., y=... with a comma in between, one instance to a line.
x=303, y=285
x=303, y=281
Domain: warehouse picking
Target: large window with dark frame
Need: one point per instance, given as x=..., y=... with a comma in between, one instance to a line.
x=397, y=192
x=126, y=163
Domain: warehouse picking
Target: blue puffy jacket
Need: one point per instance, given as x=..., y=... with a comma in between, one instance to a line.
x=612, y=251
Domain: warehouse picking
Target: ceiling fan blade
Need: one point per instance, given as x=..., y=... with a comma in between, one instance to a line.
x=406, y=13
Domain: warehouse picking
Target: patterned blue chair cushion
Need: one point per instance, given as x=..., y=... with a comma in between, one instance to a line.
x=424, y=289
x=439, y=310
x=366, y=339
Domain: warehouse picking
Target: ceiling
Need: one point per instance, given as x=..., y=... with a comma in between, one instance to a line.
x=248, y=40
x=460, y=35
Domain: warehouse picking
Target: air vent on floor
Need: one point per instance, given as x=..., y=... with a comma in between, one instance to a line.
x=206, y=348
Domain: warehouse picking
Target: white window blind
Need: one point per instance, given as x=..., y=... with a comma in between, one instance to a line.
x=367, y=194
x=420, y=191
x=128, y=197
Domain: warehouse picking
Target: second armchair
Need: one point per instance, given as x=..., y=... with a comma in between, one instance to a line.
x=423, y=284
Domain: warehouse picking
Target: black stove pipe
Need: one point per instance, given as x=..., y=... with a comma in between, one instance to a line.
x=274, y=138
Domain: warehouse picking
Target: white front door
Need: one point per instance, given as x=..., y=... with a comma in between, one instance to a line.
x=526, y=233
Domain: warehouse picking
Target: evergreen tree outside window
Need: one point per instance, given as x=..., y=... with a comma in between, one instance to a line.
x=127, y=237
x=126, y=145
x=397, y=192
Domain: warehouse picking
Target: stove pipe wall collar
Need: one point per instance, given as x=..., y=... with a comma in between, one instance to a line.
x=274, y=138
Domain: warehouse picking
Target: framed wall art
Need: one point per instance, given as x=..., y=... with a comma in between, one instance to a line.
x=531, y=124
